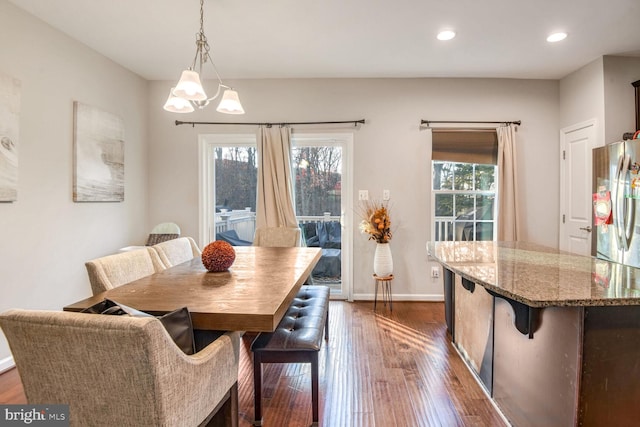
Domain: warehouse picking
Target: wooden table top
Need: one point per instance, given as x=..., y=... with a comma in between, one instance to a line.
x=252, y=296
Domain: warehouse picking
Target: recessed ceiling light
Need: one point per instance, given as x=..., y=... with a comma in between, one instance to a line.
x=446, y=35
x=556, y=37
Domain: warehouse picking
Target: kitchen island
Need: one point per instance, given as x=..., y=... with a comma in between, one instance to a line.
x=554, y=338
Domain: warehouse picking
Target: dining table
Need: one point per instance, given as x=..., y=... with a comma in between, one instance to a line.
x=252, y=295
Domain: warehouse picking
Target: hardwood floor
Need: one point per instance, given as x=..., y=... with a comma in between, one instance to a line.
x=377, y=369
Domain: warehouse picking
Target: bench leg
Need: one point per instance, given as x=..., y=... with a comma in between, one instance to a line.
x=326, y=325
x=314, y=388
x=257, y=389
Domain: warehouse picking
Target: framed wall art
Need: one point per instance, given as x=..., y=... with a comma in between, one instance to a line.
x=98, y=155
x=10, y=90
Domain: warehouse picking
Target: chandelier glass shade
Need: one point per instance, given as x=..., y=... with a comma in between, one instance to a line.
x=189, y=94
x=176, y=104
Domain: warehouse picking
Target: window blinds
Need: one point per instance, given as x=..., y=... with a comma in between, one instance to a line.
x=465, y=146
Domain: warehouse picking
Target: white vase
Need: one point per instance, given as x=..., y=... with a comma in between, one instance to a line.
x=382, y=260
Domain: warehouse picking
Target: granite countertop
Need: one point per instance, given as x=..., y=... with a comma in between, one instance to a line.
x=539, y=276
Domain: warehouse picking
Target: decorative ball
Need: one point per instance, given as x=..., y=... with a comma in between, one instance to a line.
x=218, y=256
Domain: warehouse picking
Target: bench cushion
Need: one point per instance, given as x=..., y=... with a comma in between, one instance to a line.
x=301, y=327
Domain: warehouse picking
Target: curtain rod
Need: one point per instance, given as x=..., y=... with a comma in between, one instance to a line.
x=355, y=123
x=428, y=122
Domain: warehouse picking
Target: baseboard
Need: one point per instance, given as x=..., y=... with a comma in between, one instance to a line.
x=6, y=364
x=402, y=297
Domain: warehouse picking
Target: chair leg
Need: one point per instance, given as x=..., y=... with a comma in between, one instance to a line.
x=257, y=389
x=314, y=388
x=235, y=409
x=226, y=413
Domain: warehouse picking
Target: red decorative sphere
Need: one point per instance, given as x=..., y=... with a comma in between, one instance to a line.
x=218, y=256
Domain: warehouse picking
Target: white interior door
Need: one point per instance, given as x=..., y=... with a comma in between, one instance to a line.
x=577, y=143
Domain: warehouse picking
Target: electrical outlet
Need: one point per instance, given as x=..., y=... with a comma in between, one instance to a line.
x=386, y=194
x=435, y=272
x=363, y=195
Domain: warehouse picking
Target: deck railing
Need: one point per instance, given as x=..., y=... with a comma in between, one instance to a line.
x=444, y=229
x=244, y=222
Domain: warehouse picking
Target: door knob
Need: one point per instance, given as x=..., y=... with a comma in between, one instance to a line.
x=587, y=228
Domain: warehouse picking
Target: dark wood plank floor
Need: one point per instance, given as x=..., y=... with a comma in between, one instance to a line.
x=378, y=369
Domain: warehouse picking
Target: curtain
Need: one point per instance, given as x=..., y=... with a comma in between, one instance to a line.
x=508, y=217
x=275, y=186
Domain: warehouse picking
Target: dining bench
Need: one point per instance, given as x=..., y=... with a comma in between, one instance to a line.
x=296, y=339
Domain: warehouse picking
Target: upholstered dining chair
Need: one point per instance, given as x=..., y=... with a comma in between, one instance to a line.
x=115, y=270
x=177, y=251
x=121, y=370
x=277, y=237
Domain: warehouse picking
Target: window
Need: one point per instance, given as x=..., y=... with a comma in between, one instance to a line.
x=229, y=181
x=318, y=180
x=464, y=185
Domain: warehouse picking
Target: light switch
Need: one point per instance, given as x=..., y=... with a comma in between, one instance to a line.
x=363, y=195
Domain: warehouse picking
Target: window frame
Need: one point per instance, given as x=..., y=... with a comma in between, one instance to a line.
x=454, y=192
x=206, y=174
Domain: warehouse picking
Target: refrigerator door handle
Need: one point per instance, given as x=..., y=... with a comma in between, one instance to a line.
x=623, y=218
x=616, y=200
x=630, y=211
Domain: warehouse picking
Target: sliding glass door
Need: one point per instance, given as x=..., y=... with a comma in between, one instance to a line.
x=321, y=165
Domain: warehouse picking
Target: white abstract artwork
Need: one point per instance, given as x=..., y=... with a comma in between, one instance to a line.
x=98, y=155
x=10, y=89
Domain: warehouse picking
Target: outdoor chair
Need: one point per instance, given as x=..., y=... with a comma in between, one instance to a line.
x=163, y=232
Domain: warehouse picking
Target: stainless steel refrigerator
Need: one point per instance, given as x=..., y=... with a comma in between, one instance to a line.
x=616, y=194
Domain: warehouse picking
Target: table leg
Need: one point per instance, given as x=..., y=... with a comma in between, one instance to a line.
x=375, y=298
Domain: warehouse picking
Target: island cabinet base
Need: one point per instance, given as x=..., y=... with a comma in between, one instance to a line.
x=535, y=381
x=553, y=337
x=581, y=368
x=473, y=336
x=610, y=387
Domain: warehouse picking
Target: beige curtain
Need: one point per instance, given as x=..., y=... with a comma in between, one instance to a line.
x=275, y=187
x=508, y=216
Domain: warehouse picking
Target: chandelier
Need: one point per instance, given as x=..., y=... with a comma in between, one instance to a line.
x=189, y=94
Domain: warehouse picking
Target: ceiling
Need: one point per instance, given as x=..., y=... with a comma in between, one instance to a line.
x=350, y=38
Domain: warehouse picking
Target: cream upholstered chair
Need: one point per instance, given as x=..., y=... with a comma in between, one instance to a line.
x=279, y=237
x=284, y=237
x=115, y=270
x=120, y=370
x=177, y=251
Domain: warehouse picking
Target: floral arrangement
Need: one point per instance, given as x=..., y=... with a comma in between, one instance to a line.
x=376, y=221
x=218, y=256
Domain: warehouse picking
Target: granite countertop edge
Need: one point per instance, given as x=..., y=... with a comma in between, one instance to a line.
x=544, y=303
x=461, y=267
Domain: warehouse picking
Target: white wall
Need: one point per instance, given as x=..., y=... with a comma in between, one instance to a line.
x=46, y=237
x=619, y=95
x=582, y=98
x=391, y=152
